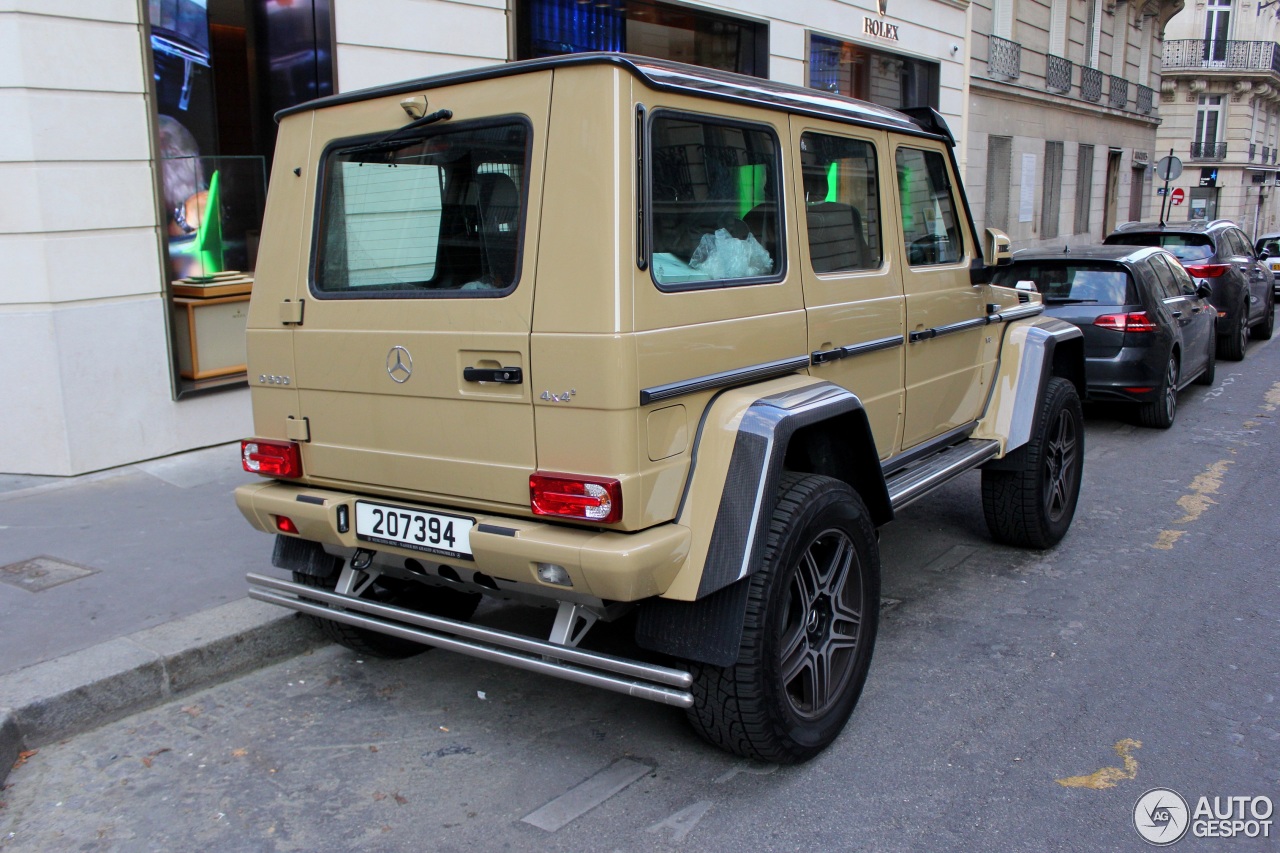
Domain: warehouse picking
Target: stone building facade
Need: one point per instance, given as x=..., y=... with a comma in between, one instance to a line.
x=1220, y=98
x=1063, y=115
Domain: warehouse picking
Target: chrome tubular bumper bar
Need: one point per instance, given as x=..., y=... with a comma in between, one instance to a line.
x=634, y=678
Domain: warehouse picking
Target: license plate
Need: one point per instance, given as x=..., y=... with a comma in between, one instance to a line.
x=431, y=532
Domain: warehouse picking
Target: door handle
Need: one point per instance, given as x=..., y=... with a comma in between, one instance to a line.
x=1177, y=314
x=503, y=375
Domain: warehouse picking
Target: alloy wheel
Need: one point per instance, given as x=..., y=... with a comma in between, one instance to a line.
x=821, y=625
x=1060, y=469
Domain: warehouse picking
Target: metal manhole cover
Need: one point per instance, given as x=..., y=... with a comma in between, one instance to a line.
x=41, y=573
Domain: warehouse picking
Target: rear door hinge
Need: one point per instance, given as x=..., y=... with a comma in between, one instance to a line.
x=297, y=429
x=291, y=312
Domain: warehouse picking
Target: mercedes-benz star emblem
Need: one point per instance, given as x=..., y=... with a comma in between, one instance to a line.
x=399, y=364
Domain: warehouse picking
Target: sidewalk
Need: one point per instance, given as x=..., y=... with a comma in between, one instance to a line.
x=123, y=588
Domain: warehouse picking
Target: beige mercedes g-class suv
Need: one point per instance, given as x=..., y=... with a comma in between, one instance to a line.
x=618, y=336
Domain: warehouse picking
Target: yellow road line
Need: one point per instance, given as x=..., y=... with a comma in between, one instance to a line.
x=1107, y=777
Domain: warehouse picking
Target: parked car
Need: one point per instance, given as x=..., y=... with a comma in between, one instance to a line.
x=763, y=322
x=1148, y=326
x=1219, y=253
x=1267, y=248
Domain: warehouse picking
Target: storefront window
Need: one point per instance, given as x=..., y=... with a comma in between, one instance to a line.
x=553, y=27
x=221, y=69
x=883, y=78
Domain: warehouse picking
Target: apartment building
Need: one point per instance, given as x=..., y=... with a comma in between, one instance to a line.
x=1063, y=115
x=1220, y=99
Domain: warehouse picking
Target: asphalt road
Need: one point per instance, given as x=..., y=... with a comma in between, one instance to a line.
x=1141, y=653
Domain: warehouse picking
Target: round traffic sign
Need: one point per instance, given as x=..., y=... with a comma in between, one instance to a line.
x=1169, y=168
x=1177, y=195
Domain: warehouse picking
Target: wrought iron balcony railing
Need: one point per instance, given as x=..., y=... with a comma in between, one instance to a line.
x=1057, y=74
x=1208, y=151
x=1004, y=58
x=1090, y=84
x=1196, y=54
x=1118, y=96
x=1146, y=99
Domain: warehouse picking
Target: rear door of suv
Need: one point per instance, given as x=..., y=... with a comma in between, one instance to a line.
x=412, y=350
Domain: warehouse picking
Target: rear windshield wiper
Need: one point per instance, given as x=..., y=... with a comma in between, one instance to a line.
x=1066, y=300
x=391, y=140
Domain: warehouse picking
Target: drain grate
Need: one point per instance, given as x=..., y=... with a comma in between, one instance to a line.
x=40, y=573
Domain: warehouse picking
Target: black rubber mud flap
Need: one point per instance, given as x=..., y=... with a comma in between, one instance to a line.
x=304, y=557
x=708, y=630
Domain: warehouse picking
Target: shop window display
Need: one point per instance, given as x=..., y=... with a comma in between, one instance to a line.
x=221, y=69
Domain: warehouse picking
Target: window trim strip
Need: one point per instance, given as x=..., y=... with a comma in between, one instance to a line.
x=739, y=376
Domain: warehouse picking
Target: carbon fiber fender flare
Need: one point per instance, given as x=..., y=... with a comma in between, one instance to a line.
x=820, y=428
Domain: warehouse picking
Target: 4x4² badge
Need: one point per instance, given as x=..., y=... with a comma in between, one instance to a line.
x=399, y=364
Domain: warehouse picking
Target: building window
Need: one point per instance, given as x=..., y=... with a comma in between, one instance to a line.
x=221, y=69
x=1084, y=188
x=1208, y=122
x=999, y=166
x=1217, y=28
x=857, y=71
x=1051, y=190
x=1002, y=18
x=679, y=33
x=1093, y=37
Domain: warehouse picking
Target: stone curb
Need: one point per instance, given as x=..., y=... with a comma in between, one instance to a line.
x=109, y=681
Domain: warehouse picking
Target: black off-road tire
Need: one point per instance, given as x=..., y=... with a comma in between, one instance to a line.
x=1211, y=366
x=451, y=604
x=812, y=613
x=1160, y=412
x=1266, y=327
x=1031, y=504
x=1232, y=346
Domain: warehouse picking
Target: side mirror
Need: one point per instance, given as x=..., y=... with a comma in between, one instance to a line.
x=1203, y=290
x=1264, y=254
x=997, y=248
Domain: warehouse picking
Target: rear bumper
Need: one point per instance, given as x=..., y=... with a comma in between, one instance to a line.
x=1132, y=367
x=604, y=564
x=621, y=675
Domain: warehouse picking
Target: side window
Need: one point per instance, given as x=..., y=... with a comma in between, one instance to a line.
x=929, y=223
x=841, y=203
x=1240, y=240
x=1164, y=278
x=1235, y=245
x=713, y=201
x=1186, y=284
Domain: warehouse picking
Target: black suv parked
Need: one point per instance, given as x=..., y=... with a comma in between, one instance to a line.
x=1219, y=253
x=1148, y=327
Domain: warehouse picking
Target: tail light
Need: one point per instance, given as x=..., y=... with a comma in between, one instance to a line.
x=1134, y=321
x=271, y=458
x=285, y=524
x=582, y=498
x=1208, y=270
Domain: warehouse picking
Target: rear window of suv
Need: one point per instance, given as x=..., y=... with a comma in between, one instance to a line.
x=431, y=215
x=1068, y=282
x=1185, y=247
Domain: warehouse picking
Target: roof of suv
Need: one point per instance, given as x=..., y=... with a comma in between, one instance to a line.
x=664, y=75
x=1194, y=226
x=1119, y=253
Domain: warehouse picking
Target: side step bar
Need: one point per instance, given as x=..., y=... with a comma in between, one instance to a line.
x=634, y=678
x=917, y=480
